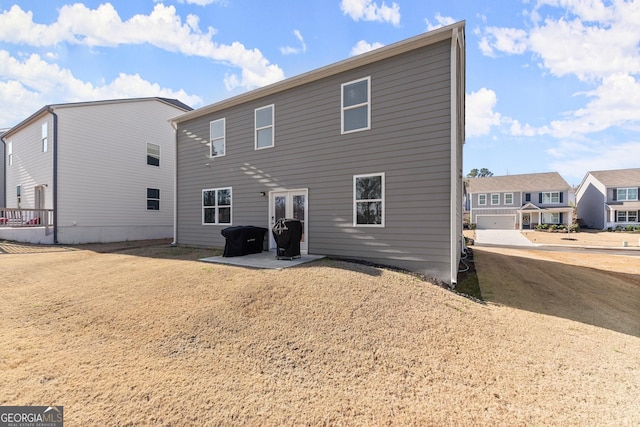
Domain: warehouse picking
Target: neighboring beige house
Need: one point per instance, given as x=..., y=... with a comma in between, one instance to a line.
x=519, y=201
x=96, y=171
x=607, y=199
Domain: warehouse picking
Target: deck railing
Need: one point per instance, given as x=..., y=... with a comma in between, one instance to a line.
x=12, y=217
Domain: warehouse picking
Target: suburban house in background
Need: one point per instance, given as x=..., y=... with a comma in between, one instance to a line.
x=2, y=170
x=519, y=201
x=98, y=171
x=607, y=199
x=366, y=152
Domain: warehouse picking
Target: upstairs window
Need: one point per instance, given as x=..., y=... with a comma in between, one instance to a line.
x=153, y=154
x=356, y=111
x=368, y=194
x=153, y=199
x=264, y=127
x=495, y=199
x=45, y=137
x=508, y=199
x=482, y=199
x=626, y=194
x=217, y=129
x=550, y=197
x=216, y=206
x=10, y=153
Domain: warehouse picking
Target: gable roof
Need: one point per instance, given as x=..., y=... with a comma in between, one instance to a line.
x=48, y=108
x=618, y=178
x=425, y=39
x=547, y=181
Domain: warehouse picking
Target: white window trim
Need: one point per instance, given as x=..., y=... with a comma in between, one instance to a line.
x=552, y=214
x=272, y=126
x=626, y=198
x=223, y=138
x=216, y=206
x=485, y=200
x=152, y=198
x=45, y=137
x=551, y=202
x=495, y=194
x=147, y=154
x=343, y=109
x=505, y=198
x=626, y=216
x=382, y=200
x=10, y=153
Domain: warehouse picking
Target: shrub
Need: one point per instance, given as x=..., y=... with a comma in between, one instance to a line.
x=574, y=228
x=636, y=228
x=618, y=228
x=628, y=228
x=542, y=227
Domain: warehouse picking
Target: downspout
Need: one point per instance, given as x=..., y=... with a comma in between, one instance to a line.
x=175, y=186
x=55, y=175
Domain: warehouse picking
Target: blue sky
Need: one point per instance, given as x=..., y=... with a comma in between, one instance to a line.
x=552, y=85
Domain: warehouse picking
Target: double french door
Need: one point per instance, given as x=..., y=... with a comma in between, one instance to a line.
x=289, y=204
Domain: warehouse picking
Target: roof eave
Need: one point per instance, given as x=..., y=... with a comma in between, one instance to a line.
x=379, y=54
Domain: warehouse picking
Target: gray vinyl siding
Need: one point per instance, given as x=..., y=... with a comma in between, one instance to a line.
x=31, y=167
x=103, y=173
x=409, y=141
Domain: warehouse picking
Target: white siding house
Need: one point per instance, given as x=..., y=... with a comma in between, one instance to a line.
x=93, y=172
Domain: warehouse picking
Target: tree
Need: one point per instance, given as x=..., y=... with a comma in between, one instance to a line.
x=475, y=173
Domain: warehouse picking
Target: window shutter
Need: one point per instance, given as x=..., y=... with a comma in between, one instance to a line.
x=527, y=197
x=539, y=197
x=615, y=194
x=561, y=222
x=561, y=202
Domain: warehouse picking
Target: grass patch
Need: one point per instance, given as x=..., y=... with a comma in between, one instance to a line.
x=468, y=279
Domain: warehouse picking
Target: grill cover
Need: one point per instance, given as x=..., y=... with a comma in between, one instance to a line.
x=243, y=240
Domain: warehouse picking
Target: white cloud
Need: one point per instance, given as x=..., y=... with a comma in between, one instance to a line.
x=288, y=50
x=367, y=10
x=591, y=40
x=364, y=47
x=196, y=2
x=162, y=28
x=31, y=83
x=620, y=156
x=441, y=21
x=480, y=114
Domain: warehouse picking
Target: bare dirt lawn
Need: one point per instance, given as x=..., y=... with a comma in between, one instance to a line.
x=148, y=336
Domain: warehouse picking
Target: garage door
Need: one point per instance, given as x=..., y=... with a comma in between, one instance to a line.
x=496, y=222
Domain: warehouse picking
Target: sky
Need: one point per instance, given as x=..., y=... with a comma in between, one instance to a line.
x=551, y=85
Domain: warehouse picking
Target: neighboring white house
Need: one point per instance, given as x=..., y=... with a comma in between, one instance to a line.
x=608, y=199
x=98, y=171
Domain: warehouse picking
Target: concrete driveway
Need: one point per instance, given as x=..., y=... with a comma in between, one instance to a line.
x=502, y=238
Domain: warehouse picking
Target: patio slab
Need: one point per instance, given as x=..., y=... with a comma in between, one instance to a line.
x=265, y=260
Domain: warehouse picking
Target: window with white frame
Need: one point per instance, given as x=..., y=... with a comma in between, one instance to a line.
x=551, y=218
x=508, y=198
x=153, y=199
x=264, y=127
x=626, y=194
x=627, y=216
x=153, y=154
x=10, y=153
x=45, y=137
x=368, y=200
x=482, y=199
x=356, y=108
x=217, y=137
x=495, y=199
x=216, y=206
x=551, y=197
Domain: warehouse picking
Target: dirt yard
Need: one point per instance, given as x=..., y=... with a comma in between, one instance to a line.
x=148, y=336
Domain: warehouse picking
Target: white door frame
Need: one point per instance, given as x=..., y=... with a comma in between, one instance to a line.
x=304, y=246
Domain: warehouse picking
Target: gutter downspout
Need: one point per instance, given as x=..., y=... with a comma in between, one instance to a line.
x=175, y=186
x=55, y=175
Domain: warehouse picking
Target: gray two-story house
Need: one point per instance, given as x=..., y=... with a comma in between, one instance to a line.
x=366, y=153
x=608, y=199
x=519, y=201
